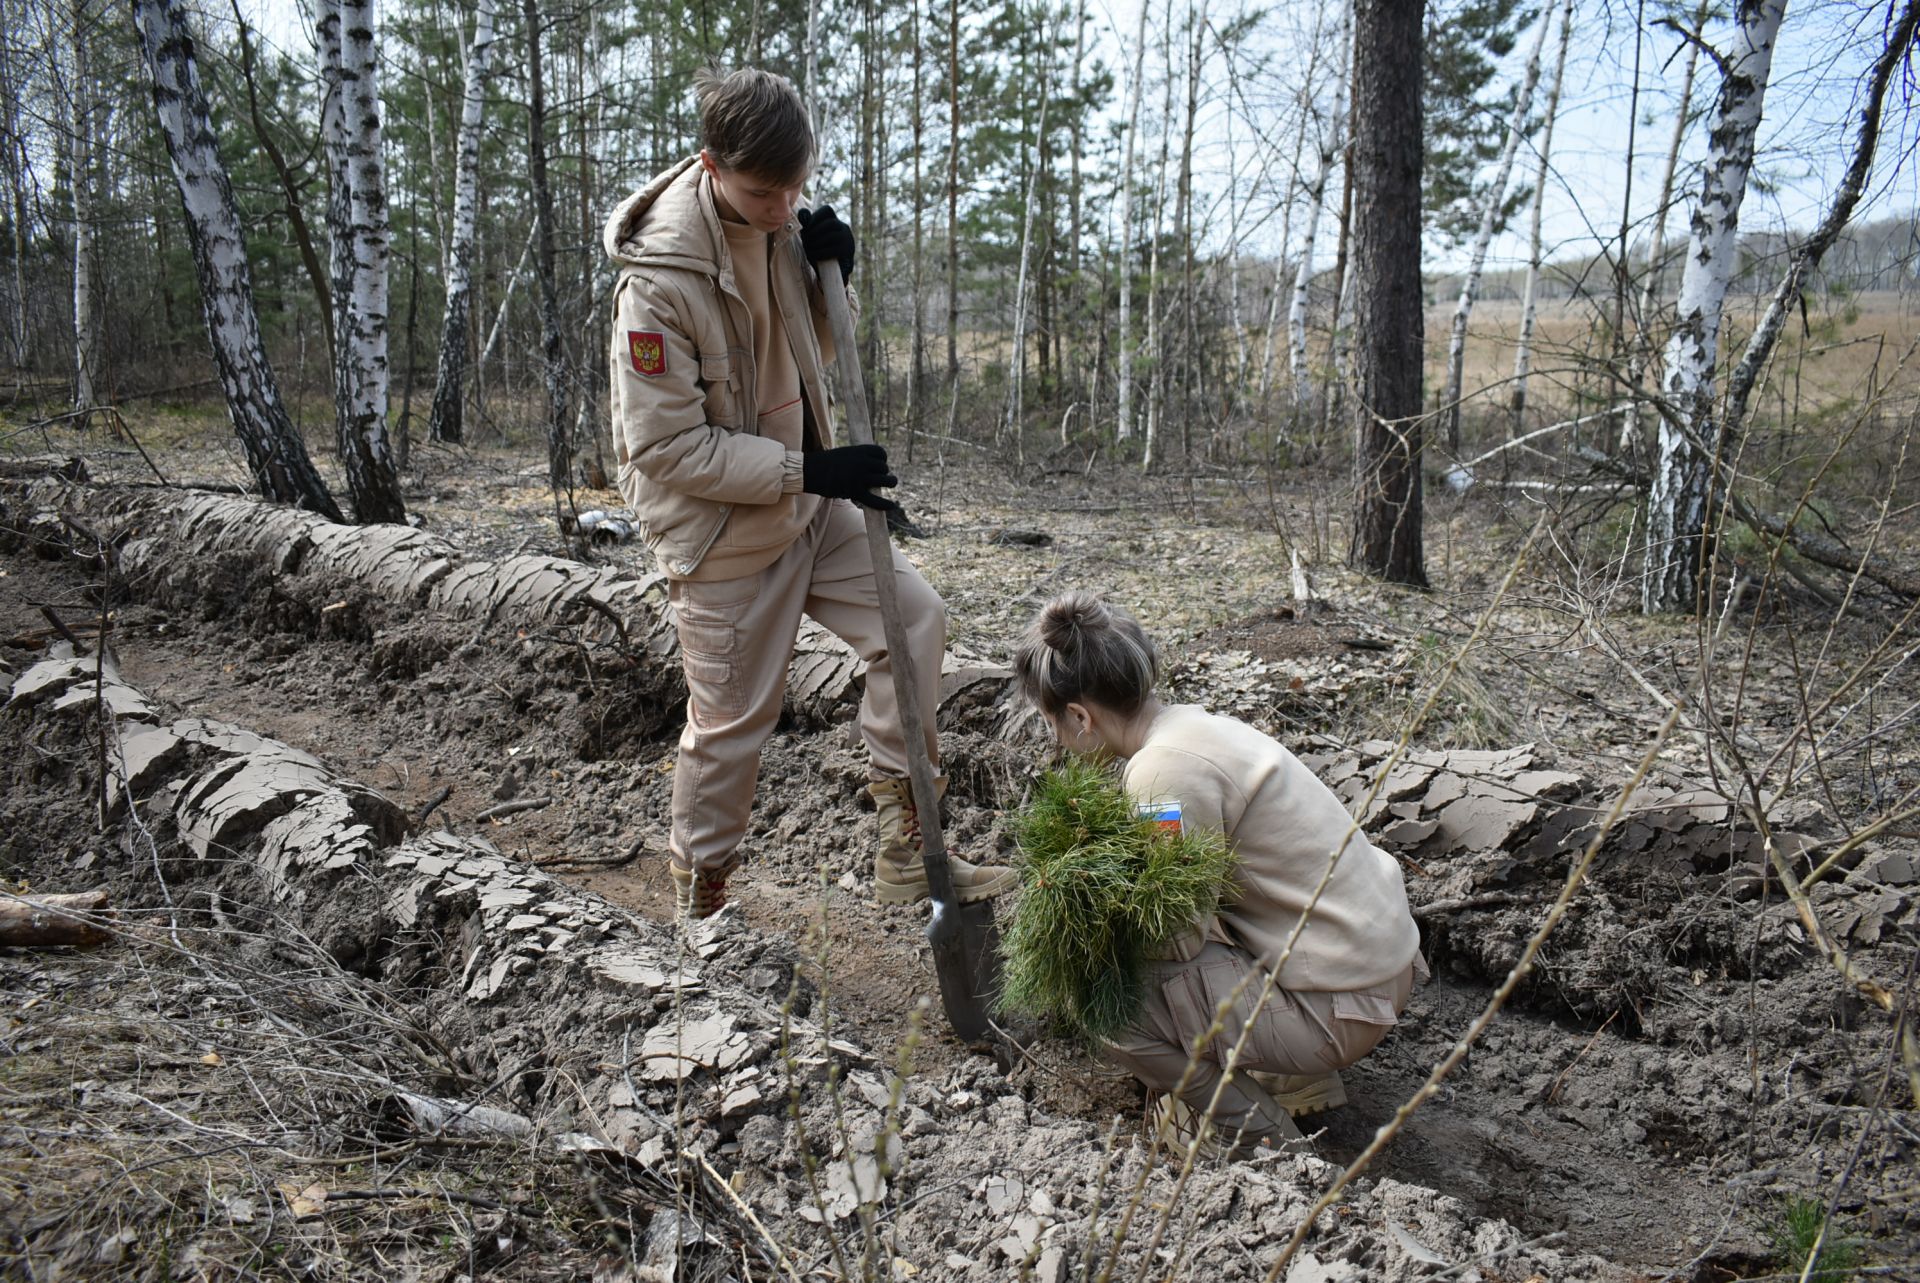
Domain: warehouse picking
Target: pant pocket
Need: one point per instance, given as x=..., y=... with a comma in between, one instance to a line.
x=709, y=656
x=1235, y=982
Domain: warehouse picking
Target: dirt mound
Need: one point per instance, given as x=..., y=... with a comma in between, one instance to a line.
x=656, y=1063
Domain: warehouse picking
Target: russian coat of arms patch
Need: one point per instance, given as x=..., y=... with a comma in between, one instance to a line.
x=649, y=351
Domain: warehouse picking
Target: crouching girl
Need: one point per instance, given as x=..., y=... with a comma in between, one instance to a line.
x=1091, y=670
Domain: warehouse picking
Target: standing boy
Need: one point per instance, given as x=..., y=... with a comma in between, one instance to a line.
x=724, y=439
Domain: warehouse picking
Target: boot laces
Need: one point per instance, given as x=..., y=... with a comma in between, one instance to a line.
x=710, y=892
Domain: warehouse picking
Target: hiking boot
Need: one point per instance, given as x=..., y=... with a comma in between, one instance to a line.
x=697, y=893
x=900, y=868
x=1177, y=1121
x=1302, y=1094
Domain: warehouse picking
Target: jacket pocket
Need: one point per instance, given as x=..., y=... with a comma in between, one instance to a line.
x=717, y=377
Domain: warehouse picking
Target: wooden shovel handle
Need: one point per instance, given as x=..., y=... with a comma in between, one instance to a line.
x=957, y=971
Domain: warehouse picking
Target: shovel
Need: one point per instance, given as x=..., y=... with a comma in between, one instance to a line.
x=966, y=945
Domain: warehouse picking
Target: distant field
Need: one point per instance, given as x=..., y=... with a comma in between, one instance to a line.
x=1841, y=353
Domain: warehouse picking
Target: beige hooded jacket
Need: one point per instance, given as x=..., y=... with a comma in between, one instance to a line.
x=715, y=498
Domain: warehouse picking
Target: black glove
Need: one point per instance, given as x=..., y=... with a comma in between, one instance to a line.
x=823, y=235
x=849, y=472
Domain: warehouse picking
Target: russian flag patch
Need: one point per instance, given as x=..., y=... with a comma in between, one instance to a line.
x=1165, y=815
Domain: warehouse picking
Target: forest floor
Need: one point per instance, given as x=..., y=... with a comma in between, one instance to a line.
x=1682, y=1068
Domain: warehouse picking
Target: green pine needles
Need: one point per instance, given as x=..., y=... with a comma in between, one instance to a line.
x=1105, y=890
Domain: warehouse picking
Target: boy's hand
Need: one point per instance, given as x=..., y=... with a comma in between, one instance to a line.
x=823, y=235
x=849, y=472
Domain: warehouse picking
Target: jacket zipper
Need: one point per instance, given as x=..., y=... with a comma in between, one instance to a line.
x=749, y=418
x=690, y=564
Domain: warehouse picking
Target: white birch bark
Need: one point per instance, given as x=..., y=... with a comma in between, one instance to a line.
x=1271, y=338
x=506, y=298
x=1331, y=140
x=1678, y=499
x=80, y=99
x=1470, y=286
x=1523, y=348
x=376, y=490
x=1657, y=247
x=1156, y=384
x=1123, y=427
x=917, y=341
x=325, y=17
x=274, y=450
x=1018, y=371
x=359, y=234
x=813, y=65
x=444, y=422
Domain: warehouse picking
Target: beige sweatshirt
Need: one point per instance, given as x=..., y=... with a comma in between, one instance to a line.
x=1284, y=824
x=781, y=415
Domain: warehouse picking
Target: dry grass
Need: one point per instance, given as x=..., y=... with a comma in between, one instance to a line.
x=1830, y=360
x=203, y=1101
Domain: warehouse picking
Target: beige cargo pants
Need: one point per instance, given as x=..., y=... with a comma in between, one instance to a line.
x=736, y=642
x=1294, y=1032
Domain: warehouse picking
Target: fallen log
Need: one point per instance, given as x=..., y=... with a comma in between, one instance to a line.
x=50, y=921
x=622, y=604
x=1835, y=555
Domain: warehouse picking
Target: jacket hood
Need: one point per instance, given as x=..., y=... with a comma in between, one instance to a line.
x=671, y=222
x=665, y=223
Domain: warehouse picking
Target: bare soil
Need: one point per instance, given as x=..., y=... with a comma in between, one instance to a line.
x=1682, y=1062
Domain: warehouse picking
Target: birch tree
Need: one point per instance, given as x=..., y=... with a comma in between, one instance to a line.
x=1123, y=425
x=1387, y=304
x=1657, y=246
x=553, y=346
x=274, y=450
x=1156, y=383
x=1332, y=138
x=1489, y=216
x=80, y=99
x=917, y=336
x=1529, y=293
x=1679, y=498
x=1016, y=389
x=444, y=421
x=359, y=228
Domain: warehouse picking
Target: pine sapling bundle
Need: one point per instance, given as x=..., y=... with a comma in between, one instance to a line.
x=1107, y=889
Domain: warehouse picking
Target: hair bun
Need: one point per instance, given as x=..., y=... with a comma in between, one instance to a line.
x=1069, y=617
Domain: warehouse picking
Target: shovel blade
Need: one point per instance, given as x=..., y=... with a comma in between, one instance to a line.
x=966, y=958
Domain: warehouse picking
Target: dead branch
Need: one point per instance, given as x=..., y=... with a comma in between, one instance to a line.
x=433, y=804
x=1831, y=553
x=512, y=808
x=49, y=921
